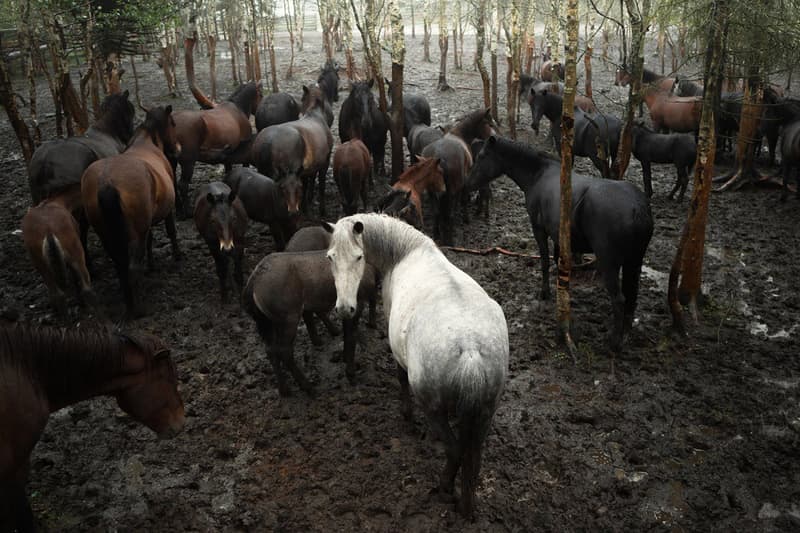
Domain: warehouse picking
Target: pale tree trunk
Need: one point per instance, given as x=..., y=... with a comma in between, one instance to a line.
x=372, y=49
x=27, y=44
x=299, y=22
x=443, y=45
x=587, y=57
x=553, y=38
x=291, y=27
x=347, y=38
x=136, y=83
x=662, y=45
x=564, y=227
x=398, y=60
x=9, y=102
x=269, y=30
x=687, y=267
x=426, y=28
x=413, y=20
x=636, y=62
x=212, y=64
x=480, y=43
x=325, y=8
x=188, y=59
x=493, y=65
x=255, y=57
x=513, y=49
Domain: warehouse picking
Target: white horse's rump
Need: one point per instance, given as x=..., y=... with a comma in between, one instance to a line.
x=446, y=333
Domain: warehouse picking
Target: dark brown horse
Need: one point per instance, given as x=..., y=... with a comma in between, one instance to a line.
x=455, y=157
x=295, y=153
x=649, y=78
x=51, y=236
x=218, y=135
x=405, y=199
x=360, y=118
x=43, y=370
x=59, y=164
x=673, y=113
x=125, y=195
x=546, y=72
x=351, y=172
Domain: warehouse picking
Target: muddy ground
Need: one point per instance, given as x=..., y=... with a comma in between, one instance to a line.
x=698, y=433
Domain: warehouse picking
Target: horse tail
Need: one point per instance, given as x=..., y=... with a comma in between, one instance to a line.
x=53, y=253
x=477, y=394
x=115, y=228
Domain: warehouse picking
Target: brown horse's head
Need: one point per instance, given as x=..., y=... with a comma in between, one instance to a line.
x=152, y=398
x=117, y=115
x=292, y=189
x=478, y=124
x=313, y=98
x=160, y=125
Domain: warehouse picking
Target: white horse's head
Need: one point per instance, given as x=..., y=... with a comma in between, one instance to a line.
x=346, y=254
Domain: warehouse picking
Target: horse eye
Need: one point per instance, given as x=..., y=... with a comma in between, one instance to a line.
x=359, y=258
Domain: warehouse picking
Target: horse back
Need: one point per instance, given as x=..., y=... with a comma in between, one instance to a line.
x=456, y=160
x=57, y=165
x=318, y=142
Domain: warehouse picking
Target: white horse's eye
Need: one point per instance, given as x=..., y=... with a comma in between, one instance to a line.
x=329, y=256
x=359, y=258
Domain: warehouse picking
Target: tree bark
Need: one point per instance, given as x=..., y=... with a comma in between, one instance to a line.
x=426, y=36
x=513, y=50
x=188, y=58
x=686, y=273
x=398, y=60
x=443, y=45
x=212, y=64
x=745, y=172
x=9, y=102
x=567, y=135
x=636, y=62
x=480, y=44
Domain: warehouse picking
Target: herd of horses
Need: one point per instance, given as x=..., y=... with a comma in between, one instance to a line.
x=449, y=338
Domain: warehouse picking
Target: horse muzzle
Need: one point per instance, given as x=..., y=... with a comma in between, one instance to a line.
x=225, y=245
x=345, y=311
x=173, y=429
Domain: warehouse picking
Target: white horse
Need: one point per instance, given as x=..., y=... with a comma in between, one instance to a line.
x=449, y=338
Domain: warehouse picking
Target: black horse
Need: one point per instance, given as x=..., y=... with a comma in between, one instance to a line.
x=790, y=157
x=360, y=118
x=610, y=218
x=276, y=108
x=59, y=164
x=778, y=113
x=328, y=80
x=416, y=109
x=678, y=148
x=592, y=130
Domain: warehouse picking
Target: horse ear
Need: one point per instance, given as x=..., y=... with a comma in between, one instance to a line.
x=358, y=228
x=168, y=109
x=371, y=83
x=126, y=94
x=326, y=226
x=305, y=89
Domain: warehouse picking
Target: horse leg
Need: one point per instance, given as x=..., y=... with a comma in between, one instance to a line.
x=683, y=182
x=285, y=346
x=445, y=219
x=541, y=240
x=221, y=263
x=83, y=229
x=452, y=449
x=472, y=431
x=350, y=327
x=86, y=294
x=182, y=196
x=313, y=334
x=130, y=276
x=172, y=232
x=321, y=177
x=406, y=406
x=15, y=509
x=238, y=276
x=647, y=179
x=332, y=328
x=631, y=271
x=266, y=330
x=611, y=279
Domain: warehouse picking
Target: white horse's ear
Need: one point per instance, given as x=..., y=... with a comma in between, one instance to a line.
x=358, y=228
x=326, y=226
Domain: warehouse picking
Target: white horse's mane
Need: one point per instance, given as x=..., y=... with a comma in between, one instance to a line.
x=387, y=239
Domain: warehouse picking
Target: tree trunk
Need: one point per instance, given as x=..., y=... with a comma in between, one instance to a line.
x=745, y=172
x=248, y=62
x=398, y=60
x=513, y=50
x=587, y=68
x=493, y=66
x=480, y=44
x=188, y=58
x=255, y=58
x=443, y=46
x=688, y=264
x=636, y=64
x=212, y=65
x=426, y=36
x=27, y=44
x=9, y=102
x=136, y=83
x=567, y=135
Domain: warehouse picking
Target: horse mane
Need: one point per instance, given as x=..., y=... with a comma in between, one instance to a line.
x=243, y=94
x=415, y=173
x=520, y=150
x=648, y=76
x=393, y=241
x=468, y=122
x=116, y=117
x=59, y=358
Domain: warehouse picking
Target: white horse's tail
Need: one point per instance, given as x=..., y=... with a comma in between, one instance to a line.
x=478, y=388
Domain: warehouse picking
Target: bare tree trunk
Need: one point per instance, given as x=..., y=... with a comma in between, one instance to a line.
x=413, y=21
x=188, y=58
x=10, y=104
x=26, y=41
x=493, y=66
x=255, y=59
x=636, y=61
x=212, y=64
x=136, y=82
x=480, y=43
x=567, y=135
x=744, y=172
x=513, y=49
x=688, y=264
x=398, y=60
x=426, y=28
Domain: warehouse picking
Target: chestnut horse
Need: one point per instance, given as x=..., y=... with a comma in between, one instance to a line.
x=218, y=135
x=51, y=236
x=405, y=199
x=294, y=153
x=546, y=72
x=125, y=195
x=674, y=113
x=649, y=78
x=351, y=172
x=43, y=370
